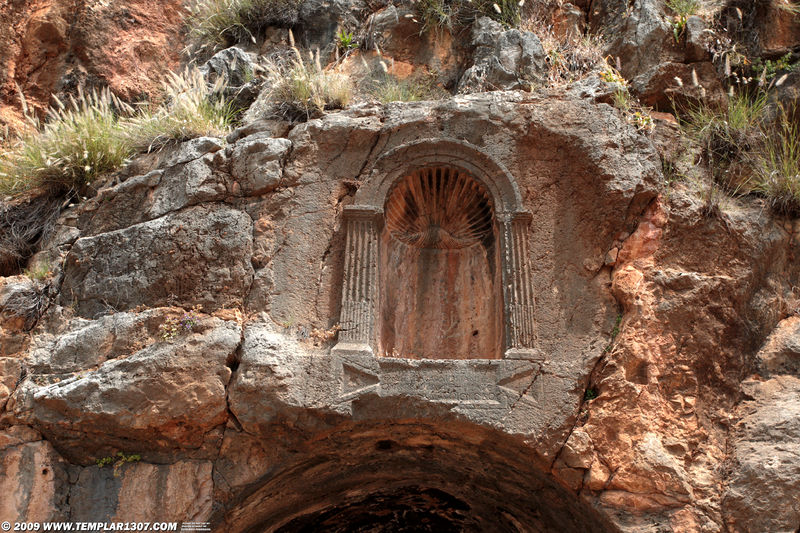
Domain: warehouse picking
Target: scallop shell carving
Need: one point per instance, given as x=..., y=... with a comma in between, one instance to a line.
x=439, y=208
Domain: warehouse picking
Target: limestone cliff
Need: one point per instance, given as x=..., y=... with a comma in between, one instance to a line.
x=495, y=310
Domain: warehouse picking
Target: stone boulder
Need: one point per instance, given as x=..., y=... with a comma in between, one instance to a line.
x=639, y=34
x=502, y=59
x=781, y=352
x=166, y=395
x=135, y=266
x=257, y=163
x=236, y=67
x=763, y=489
x=188, y=175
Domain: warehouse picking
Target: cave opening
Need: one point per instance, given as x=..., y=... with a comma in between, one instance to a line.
x=440, y=277
x=411, y=475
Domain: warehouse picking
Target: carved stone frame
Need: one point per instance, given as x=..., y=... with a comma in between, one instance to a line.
x=360, y=290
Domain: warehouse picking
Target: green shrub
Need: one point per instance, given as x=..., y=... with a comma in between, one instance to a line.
x=190, y=109
x=767, y=70
x=345, y=40
x=305, y=89
x=79, y=141
x=216, y=24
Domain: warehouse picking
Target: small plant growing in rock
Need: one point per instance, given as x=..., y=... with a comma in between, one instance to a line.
x=118, y=461
x=614, y=333
x=173, y=326
x=682, y=9
x=321, y=336
x=766, y=70
x=345, y=40
x=590, y=394
x=39, y=272
x=612, y=75
x=635, y=114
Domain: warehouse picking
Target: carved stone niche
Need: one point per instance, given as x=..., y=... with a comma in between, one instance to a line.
x=436, y=259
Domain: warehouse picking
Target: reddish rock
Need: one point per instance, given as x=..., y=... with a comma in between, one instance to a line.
x=52, y=47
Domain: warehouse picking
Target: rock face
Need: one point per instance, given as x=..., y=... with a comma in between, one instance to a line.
x=55, y=47
x=224, y=333
x=508, y=59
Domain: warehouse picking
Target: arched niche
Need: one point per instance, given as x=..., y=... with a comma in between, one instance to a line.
x=405, y=252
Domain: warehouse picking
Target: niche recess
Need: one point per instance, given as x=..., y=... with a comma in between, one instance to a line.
x=436, y=259
x=439, y=279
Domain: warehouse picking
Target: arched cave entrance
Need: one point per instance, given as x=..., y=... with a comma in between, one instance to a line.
x=412, y=476
x=439, y=273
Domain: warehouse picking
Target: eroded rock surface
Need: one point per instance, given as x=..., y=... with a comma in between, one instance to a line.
x=654, y=360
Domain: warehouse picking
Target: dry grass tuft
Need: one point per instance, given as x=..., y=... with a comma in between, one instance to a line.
x=217, y=24
x=303, y=89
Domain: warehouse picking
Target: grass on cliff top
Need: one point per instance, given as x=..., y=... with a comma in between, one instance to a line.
x=303, y=89
x=216, y=24
x=79, y=141
x=449, y=15
x=750, y=149
x=191, y=108
x=95, y=133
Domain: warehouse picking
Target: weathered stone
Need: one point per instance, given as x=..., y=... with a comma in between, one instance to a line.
x=640, y=35
x=763, y=491
x=141, y=492
x=319, y=20
x=54, y=47
x=88, y=344
x=10, y=372
x=257, y=163
x=191, y=150
x=167, y=395
x=697, y=35
x=33, y=482
x=569, y=22
x=509, y=59
x=577, y=452
x=135, y=266
x=781, y=352
x=397, y=31
x=232, y=64
x=271, y=127
x=235, y=66
x=660, y=87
